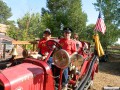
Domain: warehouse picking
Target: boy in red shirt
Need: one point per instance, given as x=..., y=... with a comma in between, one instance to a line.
x=70, y=46
x=43, y=48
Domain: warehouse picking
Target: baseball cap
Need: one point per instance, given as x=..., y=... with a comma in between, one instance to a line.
x=47, y=30
x=67, y=29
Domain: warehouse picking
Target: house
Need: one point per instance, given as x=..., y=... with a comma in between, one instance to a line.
x=5, y=43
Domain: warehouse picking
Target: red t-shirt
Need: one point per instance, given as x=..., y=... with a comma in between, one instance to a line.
x=68, y=45
x=43, y=47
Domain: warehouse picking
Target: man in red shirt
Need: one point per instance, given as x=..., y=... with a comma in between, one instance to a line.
x=70, y=46
x=43, y=48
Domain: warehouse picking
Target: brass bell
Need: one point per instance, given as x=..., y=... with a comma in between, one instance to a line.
x=14, y=51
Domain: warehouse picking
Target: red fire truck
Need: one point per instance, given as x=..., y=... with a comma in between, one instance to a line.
x=34, y=74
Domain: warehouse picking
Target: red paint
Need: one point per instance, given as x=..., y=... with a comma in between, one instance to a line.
x=28, y=76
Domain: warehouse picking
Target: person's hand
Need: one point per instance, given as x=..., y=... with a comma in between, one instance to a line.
x=44, y=57
x=46, y=54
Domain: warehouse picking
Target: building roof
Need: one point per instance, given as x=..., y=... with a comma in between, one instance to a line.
x=4, y=37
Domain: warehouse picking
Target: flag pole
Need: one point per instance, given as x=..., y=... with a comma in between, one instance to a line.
x=100, y=6
x=98, y=50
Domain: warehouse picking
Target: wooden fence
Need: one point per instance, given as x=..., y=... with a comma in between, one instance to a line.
x=114, y=51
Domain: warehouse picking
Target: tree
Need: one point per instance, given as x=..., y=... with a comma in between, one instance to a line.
x=76, y=18
x=5, y=12
x=110, y=12
x=12, y=31
x=66, y=12
x=30, y=26
x=89, y=33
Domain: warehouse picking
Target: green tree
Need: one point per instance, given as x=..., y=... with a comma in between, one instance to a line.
x=88, y=35
x=76, y=18
x=29, y=26
x=5, y=12
x=66, y=12
x=110, y=10
x=47, y=22
x=12, y=31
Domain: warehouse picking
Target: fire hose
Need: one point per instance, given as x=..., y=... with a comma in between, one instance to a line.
x=85, y=79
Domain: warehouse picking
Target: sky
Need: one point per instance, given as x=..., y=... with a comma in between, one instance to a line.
x=20, y=7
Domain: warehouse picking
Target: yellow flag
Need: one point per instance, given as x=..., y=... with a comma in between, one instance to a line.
x=98, y=45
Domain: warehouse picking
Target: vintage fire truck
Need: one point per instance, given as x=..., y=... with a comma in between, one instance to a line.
x=34, y=74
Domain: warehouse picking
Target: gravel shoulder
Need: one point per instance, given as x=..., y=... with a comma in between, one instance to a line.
x=108, y=74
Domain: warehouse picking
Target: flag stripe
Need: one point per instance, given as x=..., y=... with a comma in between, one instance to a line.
x=100, y=26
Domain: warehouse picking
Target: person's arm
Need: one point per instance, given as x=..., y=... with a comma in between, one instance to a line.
x=39, y=47
x=74, y=48
x=39, y=51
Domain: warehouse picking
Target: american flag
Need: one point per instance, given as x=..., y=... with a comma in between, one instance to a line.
x=100, y=26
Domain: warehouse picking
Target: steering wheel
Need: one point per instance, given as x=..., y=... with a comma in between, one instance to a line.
x=53, y=44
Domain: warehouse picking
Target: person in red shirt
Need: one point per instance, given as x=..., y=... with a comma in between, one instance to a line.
x=78, y=43
x=43, y=48
x=69, y=45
